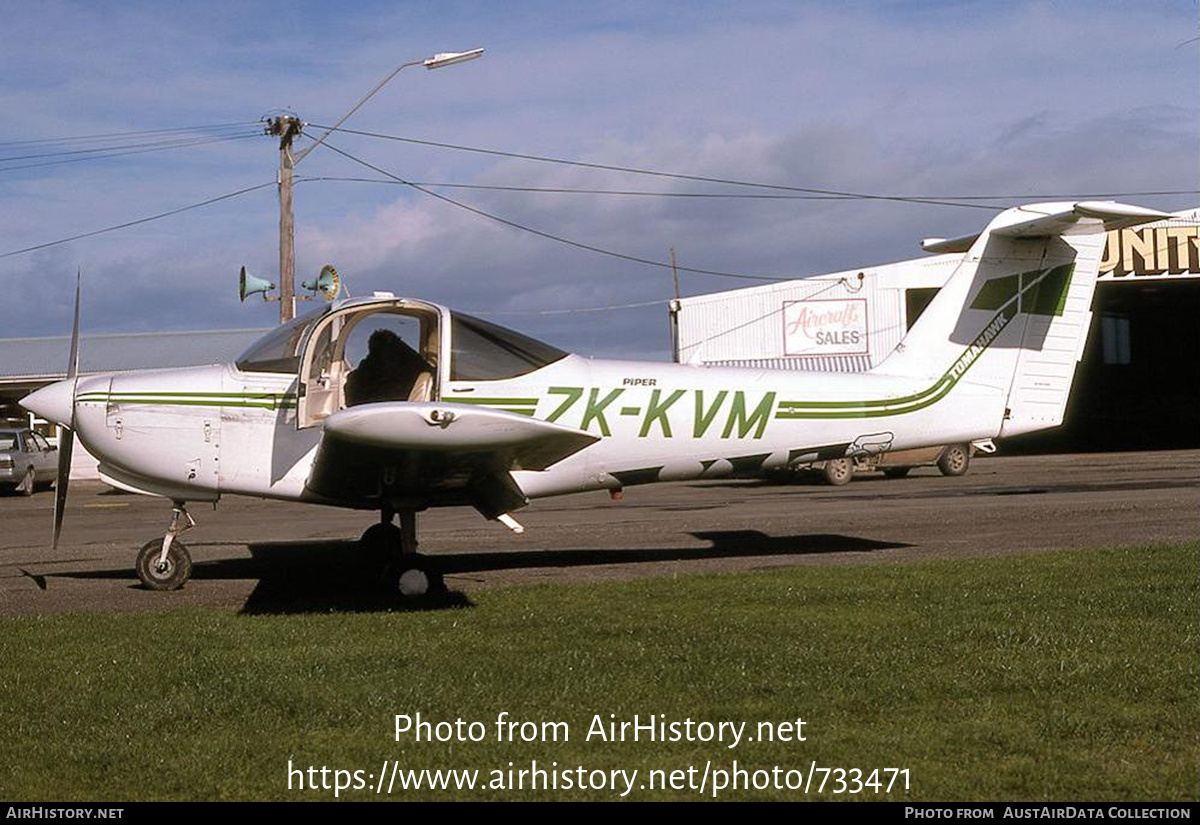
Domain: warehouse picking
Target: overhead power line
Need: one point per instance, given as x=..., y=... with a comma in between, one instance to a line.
x=939, y=200
x=573, y=191
x=122, y=146
x=116, y=154
x=549, y=235
x=562, y=190
x=821, y=288
x=673, y=175
x=779, y=310
x=139, y=133
x=138, y=221
x=566, y=311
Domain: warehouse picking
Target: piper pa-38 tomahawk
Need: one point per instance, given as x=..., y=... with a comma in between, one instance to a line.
x=464, y=412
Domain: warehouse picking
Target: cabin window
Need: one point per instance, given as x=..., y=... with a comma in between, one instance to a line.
x=278, y=351
x=395, y=357
x=915, y=302
x=486, y=352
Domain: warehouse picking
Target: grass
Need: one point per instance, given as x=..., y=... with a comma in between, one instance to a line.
x=1060, y=676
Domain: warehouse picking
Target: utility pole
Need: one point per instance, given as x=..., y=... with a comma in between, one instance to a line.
x=675, y=272
x=673, y=311
x=286, y=127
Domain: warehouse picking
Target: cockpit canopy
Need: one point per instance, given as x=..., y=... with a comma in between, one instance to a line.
x=479, y=350
x=279, y=350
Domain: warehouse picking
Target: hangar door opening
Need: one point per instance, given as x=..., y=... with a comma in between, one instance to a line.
x=1138, y=386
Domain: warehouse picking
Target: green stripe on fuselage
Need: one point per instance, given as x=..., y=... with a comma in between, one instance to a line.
x=258, y=400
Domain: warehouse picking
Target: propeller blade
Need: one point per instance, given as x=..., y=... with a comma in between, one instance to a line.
x=66, y=436
x=66, y=441
x=73, y=364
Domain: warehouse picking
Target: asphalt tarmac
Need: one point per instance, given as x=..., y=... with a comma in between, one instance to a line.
x=267, y=557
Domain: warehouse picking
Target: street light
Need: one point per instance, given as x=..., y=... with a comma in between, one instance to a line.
x=286, y=127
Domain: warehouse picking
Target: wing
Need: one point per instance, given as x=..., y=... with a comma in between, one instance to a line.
x=417, y=455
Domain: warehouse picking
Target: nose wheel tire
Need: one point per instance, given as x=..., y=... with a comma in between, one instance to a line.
x=171, y=574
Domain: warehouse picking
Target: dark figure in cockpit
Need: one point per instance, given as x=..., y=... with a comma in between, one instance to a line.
x=387, y=373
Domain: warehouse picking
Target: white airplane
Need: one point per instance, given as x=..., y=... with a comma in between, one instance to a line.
x=469, y=413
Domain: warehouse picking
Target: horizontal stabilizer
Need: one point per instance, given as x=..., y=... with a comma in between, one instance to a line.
x=1085, y=216
x=942, y=246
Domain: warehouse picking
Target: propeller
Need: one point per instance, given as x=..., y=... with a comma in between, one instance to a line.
x=66, y=433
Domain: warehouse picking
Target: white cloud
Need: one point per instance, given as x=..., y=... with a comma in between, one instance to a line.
x=1025, y=98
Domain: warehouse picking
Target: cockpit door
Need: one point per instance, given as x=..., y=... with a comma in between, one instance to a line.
x=321, y=375
x=366, y=354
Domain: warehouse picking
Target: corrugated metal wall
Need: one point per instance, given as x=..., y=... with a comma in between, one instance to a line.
x=744, y=327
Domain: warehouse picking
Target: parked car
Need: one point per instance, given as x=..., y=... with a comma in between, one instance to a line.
x=27, y=461
x=950, y=459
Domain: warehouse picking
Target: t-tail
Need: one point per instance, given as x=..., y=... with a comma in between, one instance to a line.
x=1015, y=314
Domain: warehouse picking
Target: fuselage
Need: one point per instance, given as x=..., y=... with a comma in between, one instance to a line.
x=207, y=431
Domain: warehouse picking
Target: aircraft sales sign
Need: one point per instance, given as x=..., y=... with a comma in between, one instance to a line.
x=825, y=327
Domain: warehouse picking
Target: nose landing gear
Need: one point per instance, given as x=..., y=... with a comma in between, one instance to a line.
x=164, y=564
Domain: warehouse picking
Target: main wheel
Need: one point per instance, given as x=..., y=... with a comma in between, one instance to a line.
x=839, y=471
x=378, y=546
x=174, y=571
x=381, y=540
x=896, y=472
x=954, y=460
x=416, y=575
x=25, y=488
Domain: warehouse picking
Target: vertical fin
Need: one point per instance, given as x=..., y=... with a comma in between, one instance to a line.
x=1015, y=314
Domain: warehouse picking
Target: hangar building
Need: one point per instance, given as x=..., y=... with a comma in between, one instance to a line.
x=1137, y=386
x=29, y=363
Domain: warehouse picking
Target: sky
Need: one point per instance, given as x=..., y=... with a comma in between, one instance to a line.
x=931, y=100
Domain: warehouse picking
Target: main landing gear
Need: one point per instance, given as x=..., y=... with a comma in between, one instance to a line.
x=164, y=564
x=391, y=553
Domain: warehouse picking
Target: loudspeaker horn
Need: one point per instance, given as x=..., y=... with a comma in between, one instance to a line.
x=249, y=285
x=328, y=283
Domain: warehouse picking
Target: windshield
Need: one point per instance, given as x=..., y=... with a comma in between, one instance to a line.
x=278, y=351
x=486, y=352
